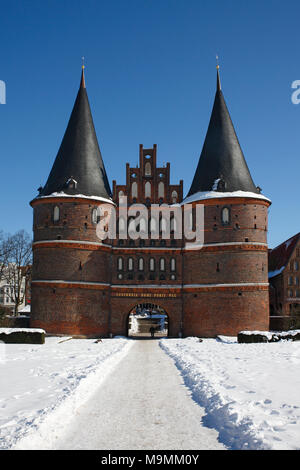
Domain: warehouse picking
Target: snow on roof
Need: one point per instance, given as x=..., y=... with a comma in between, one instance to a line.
x=81, y=196
x=202, y=195
x=276, y=272
x=215, y=185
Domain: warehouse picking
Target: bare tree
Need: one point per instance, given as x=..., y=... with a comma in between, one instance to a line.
x=18, y=266
x=5, y=250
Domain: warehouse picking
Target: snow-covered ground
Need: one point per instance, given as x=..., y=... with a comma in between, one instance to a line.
x=251, y=392
x=42, y=386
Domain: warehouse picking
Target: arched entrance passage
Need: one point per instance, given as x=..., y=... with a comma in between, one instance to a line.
x=148, y=320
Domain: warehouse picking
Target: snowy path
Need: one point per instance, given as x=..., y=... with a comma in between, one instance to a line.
x=143, y=404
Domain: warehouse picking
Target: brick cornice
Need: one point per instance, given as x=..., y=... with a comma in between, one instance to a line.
x=238, y=246
x=82, y=245
x=70, y=284
x=164, y=288
x=87, y=245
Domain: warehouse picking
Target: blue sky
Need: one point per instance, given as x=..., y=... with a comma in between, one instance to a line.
x=150, y=74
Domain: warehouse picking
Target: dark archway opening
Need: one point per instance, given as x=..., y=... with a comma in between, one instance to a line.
x=148, y=320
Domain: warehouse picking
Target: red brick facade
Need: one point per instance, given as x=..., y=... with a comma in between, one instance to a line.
x=82, y=286
x=284, y=278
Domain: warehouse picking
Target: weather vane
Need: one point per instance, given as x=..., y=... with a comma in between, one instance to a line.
x=82, y=58
x=217, y=59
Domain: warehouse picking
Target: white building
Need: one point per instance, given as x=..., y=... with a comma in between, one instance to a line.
x=8, y=290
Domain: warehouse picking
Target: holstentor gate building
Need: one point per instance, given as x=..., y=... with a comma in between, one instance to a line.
x=84, y=286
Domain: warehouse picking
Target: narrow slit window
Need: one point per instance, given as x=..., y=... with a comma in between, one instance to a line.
x=130, y=264
x=120, y=264
x=152, y=264
x=141, y=264
x=225, y=216
x=56, y=214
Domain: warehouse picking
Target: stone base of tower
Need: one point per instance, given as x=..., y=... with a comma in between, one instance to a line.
x=206, y=312
x=70, y=311
x=226, y=312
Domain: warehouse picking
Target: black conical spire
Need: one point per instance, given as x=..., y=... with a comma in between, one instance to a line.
x=222, y=166
x=78, y=167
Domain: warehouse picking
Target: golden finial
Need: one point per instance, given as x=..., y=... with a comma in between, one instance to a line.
x=82, y=83
x=218, y=74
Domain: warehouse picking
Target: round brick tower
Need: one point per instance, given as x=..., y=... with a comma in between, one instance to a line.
x=226, y=280
x=71, y=266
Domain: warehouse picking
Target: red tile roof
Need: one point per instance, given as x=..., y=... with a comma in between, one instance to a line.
x=279, y=256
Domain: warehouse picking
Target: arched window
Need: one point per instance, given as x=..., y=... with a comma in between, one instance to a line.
x=162, y=264
x=173, y=264
x=148, y=189
x=131, y=225
x=122, y=227
x=71, y=183
x=141, y=264
x=130, y=264
x=225, y=216
x=134, y=190
x=153, y=225
x=121, y=194
x=174, y=197
x=143, y=226
x=190, y=220
x=56, y=214
x=161, y=190
x=296, y=265
x=163, y=225
x=152, y=264
x=173, y=223
x=148, y=169
x=95, y=215
x=120, y=264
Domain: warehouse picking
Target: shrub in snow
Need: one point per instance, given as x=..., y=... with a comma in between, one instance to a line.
x=267, y=337
x=22, y=335
x=293, y=335
x=253, y=337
